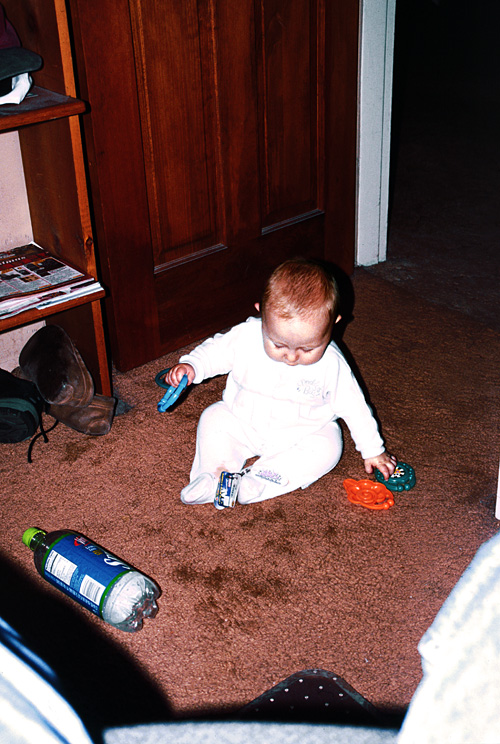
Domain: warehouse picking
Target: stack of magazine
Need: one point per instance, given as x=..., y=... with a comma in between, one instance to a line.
x=31, y=278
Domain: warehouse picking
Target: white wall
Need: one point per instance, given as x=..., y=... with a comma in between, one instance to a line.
x=15, y=222
x=374, y=134
x=15, y=229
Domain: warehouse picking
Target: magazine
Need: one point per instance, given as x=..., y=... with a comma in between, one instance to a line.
x=30, y=277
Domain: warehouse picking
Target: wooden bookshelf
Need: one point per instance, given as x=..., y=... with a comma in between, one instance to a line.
x=48, y=121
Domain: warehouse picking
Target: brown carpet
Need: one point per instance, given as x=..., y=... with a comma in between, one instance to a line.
x=305, y=581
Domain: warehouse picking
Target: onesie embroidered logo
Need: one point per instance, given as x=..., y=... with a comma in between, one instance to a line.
x=311, y=388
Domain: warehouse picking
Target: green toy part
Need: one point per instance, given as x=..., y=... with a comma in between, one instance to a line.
x=402, y=479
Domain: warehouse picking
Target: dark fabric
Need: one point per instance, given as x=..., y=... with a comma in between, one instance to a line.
x=14, y=60
x=21, y=408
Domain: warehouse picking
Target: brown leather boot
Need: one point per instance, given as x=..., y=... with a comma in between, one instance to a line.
x=51, y=361
x=94, y=419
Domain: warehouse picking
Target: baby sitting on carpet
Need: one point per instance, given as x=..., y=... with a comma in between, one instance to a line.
x=287, y=385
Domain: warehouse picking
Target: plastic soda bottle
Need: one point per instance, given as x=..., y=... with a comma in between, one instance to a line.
x=94, y=577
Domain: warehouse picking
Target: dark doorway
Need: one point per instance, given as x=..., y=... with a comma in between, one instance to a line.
x=444, y=216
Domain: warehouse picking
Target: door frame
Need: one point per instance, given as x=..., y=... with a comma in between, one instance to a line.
x=374, y=129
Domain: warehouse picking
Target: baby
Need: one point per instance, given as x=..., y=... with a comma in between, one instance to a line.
x=287, y=385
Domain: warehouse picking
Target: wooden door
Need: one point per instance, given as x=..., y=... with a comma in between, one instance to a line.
x=221, y=140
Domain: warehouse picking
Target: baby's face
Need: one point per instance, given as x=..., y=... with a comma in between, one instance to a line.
x=296, y=340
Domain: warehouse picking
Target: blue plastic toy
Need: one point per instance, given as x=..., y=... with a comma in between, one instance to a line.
x=172, y=393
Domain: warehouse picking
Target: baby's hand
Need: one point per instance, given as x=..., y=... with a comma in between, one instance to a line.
x=177, y=372
x=385, y=462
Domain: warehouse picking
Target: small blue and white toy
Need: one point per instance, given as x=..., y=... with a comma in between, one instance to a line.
x=227, y=490
x=172, y=393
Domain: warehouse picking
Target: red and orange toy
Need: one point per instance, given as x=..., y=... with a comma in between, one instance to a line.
x=369, y=494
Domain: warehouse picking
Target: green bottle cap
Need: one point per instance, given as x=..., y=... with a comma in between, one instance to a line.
x=30, y=534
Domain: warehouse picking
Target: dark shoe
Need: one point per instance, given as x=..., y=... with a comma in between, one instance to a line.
x=94, y=419
x=17, y=372
x=51, y=361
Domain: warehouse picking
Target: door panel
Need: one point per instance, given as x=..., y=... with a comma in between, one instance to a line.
x=229, y=283
x=291, y=53
x=233, y=155
x=177, y=117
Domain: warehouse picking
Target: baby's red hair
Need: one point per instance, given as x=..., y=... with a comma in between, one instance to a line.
x=301, y=287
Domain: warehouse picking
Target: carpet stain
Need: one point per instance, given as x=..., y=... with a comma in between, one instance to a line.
x=212, y=535
x=151, y=530
x=220, y=579
x=213, y=579
x=267, y=586
x=281, y=546
x=74, y=450
x=331, y=531
x=274, y=515
x=226, y=615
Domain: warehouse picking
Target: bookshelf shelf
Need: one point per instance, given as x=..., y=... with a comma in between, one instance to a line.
x=48, y=122
x=40, y=105
x=33, y=315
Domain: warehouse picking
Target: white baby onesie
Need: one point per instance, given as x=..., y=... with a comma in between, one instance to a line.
x=284, y=414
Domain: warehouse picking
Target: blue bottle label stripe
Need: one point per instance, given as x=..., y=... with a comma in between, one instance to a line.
x=82, y=570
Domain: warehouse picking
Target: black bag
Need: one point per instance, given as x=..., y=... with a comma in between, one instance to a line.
x=21, y=407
